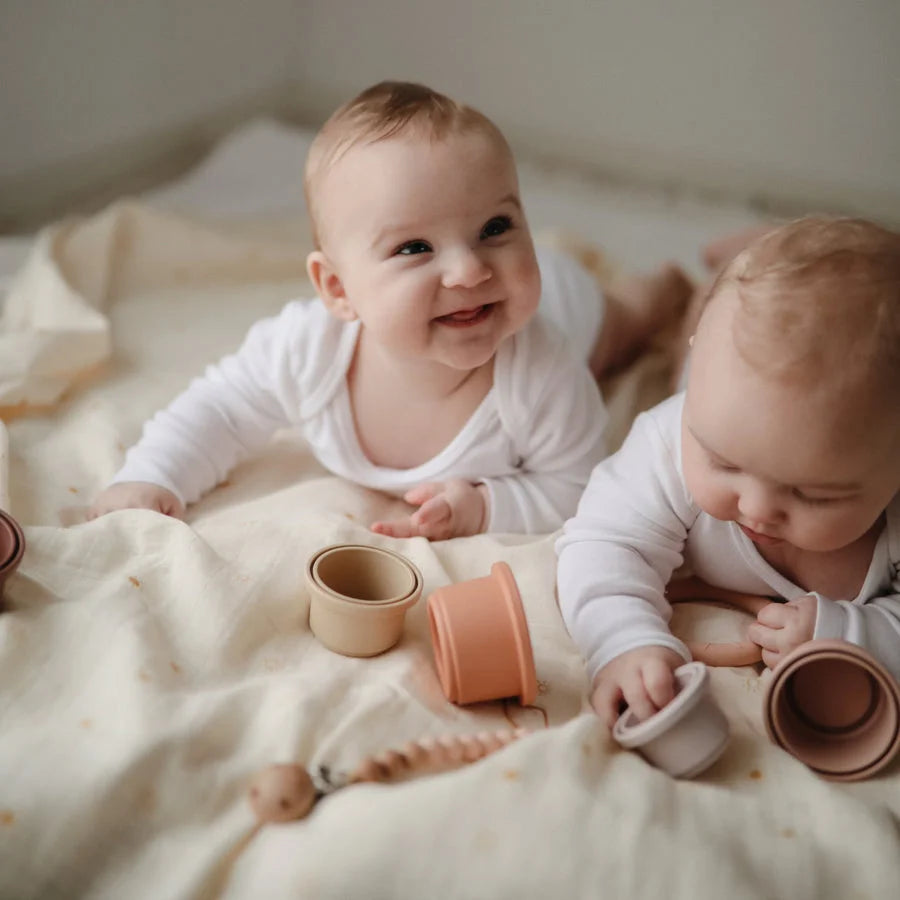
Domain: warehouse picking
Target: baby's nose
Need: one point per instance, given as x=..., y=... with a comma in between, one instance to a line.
x=465, y=269
x=759, y=506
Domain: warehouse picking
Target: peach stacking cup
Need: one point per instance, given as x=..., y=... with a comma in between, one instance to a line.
x=359, y=596
x=834, y=707
x=482, y=649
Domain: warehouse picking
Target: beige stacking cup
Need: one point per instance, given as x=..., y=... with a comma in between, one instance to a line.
x=359, y=596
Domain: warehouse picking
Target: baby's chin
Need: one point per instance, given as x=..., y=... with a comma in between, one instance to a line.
x=467, y=362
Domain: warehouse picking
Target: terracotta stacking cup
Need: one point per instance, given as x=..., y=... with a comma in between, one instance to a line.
x=834, y=707
x=482, y=649
x=687, y=735
x=359, y=596
x=12, y=546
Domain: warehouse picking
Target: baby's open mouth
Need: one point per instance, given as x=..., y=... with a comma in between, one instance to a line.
x=464, y=318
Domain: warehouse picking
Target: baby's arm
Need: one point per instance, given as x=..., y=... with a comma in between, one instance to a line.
x=222, y=417
x=550, y=403
x=615, y=558
x=136, y=495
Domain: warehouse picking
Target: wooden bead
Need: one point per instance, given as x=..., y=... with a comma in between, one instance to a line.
x=452, y=750
x=472, y=748
x=489, y=740
x=281, y=793
x=415, y=753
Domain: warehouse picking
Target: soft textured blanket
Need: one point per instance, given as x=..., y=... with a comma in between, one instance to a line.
x=149, y=667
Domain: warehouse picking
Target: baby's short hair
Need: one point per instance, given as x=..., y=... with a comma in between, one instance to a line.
x=382, y=111
x=819, y=296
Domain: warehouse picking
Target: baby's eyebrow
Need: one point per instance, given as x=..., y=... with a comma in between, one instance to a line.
x=393, y=231
x=707, y=448
x=838, y=486
x=511, y=198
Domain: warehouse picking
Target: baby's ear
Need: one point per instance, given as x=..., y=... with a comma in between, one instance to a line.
x=329, y=286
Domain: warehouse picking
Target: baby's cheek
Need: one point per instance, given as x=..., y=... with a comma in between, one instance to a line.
x=711, y=497
x=825, y=531
x=524, y=269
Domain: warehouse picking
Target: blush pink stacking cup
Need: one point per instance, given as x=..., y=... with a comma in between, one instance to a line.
x=12, y=546
x=834, y=707
x=829, y=703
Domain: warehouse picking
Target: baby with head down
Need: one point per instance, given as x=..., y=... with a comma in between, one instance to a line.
x=776, y=472
x=421, y=369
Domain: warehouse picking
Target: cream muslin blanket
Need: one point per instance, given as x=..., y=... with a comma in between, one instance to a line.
x=149, y=667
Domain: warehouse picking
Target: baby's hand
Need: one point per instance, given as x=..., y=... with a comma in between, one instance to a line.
x=447, y=509
x=644, y=678
x=136, y=495
x=780, y=627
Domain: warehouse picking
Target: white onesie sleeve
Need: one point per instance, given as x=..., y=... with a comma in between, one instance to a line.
x=617, y=554
x=873, y=624
x=224, y=416
x=550, y=403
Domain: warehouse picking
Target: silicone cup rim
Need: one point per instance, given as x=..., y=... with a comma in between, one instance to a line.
x=18, y=549
x=642, y=733
x=445, y=658
x=843, y=651
x=354, y=602
x=524, y=651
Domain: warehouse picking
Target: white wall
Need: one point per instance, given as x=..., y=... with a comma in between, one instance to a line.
x=78, y=75
x=92, y=90
x=772, y=98
x=783, y=99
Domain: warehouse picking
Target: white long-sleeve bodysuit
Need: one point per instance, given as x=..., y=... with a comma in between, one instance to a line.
x=532, y=441
x=637, y=523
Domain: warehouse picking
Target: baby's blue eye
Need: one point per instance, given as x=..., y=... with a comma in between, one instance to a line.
x=496, y=226
x=412, y=248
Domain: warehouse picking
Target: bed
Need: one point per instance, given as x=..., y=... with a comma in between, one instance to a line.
x=150, y=667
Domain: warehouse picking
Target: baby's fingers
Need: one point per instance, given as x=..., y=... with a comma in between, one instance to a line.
x=400, y=528
x=659, y=683
x=421, y=493
x=637, y=698
x=433, y=512
x=767, y=638
x=774, y=615
x=605, y=700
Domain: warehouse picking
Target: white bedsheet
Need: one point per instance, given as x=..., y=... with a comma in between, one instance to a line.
x=148, y=667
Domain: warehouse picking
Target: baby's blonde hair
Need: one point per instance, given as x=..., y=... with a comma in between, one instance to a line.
x=819, y=296
x=383, y=111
